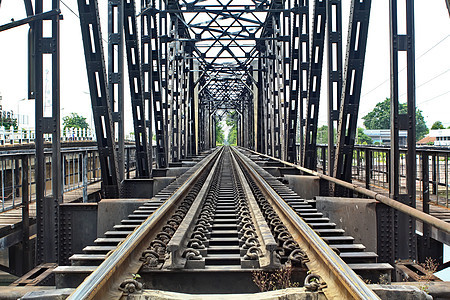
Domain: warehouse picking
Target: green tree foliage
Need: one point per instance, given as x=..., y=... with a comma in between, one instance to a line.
x=322, y=135
x=220, y=136
x=363, y=139
x=7, y=120
x=379, y=118
x=231, y=121
x=437, y=125
x=75, y=121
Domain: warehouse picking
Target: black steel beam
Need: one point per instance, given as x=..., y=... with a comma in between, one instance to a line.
x=47, y=114
x=154, y=94
x=116, y=78
x=143, y=165
x=351, y=88
x=37, y=17
x=314, y=84
x=405, y=241
x=334, y=78
x=101, y=109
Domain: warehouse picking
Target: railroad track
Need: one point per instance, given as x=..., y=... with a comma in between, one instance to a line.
x=212, y=229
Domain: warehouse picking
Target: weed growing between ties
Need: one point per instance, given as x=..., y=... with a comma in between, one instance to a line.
x=270, y=281
x=430, y=266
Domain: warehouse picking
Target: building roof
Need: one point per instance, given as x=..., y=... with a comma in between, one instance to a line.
x=426, y=140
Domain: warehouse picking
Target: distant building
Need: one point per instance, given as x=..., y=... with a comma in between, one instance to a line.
x=442, y=137
x=428, y=140
x=383, y=136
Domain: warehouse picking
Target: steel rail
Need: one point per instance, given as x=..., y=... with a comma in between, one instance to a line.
x=410, y=211
x=104, y=282
x=342, y=282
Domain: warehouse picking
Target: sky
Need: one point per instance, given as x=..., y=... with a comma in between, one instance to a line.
x=432, y=25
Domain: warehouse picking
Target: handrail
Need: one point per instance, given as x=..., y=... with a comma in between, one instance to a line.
x=410, y=211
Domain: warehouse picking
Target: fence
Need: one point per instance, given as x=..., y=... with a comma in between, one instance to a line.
x=23, y=136
x=371, y=167
x=80, y=167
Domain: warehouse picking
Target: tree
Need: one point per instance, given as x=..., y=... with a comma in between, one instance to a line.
x=380, y=118
x=363, y=139
x=437, y=125
x=231, y=121
x=75, y=121
x=7, y=120
x=220, y=136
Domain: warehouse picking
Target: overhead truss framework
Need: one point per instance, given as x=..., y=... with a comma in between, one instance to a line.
x=201, y=59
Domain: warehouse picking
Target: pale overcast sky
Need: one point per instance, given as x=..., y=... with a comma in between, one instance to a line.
x=432, y=60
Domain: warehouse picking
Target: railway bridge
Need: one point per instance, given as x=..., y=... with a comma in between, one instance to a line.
x=180, y=216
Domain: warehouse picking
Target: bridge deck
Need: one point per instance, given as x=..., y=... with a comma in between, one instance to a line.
x=11, y=220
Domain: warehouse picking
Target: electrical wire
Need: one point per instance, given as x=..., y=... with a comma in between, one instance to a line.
x=435, y=97
x=76, y=15
x=428, y=81
x=419, y=57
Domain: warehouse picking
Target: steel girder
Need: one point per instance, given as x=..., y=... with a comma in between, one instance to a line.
x=334, y=30
x=404, y=237
x=314, y=84
x=153, y=87
x=101, y=106
x=143, y=155
x=351, y=88
x=47, y=102
x=115, y=76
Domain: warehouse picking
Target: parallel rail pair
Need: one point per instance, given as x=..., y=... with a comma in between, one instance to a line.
x=342, y=281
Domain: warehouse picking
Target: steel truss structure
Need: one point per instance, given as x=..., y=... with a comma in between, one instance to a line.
x=191, y=63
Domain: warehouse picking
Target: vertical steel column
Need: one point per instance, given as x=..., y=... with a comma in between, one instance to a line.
x=304, y=72
x=143, y=165
x=351, y=88
x=294, y=84
x=278, y=87
x=151, y=40
x=334, y=30
x=191, y=107
x=260, y=146
x=46, y=55
x=101, y=109
x=405, y=246
x=115, y=77
x=314, y=83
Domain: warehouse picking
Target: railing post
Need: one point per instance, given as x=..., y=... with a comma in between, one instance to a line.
x=426, y=204
x=128, y=162
x=324, y=159
x=368, y=166
x=26, y=253
x=85, y=179
x=434, y=176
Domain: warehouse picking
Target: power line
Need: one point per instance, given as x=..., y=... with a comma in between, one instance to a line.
x=428, y=81
x=70, y=9
x=404, y=68
x=76, y=15
x=428, y=100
